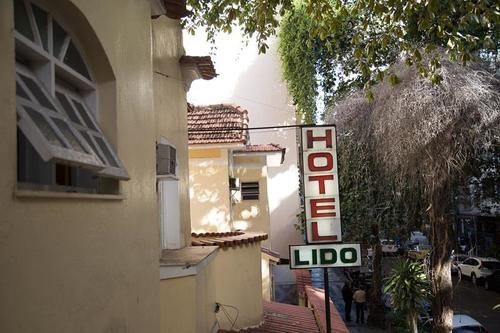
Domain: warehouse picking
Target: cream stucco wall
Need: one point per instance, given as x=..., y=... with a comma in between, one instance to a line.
x=254, y=81
x=238, y=284
x=209, y=190
x=266, y=277
x=86, y=265
x=252, y=215
x=170, y=106
x=188, y=303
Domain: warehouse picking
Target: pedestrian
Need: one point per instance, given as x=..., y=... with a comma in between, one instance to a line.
x=360, y=300
x=347, y=296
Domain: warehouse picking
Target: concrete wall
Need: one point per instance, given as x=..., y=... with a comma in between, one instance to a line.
x=75, y=264
x=238, y=284
x=188, y=303
x=209, y=190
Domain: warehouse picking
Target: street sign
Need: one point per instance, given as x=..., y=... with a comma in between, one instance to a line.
x=321, y=188
x=325, y=255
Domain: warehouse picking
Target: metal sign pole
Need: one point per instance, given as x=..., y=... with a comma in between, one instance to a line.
x=327, y=300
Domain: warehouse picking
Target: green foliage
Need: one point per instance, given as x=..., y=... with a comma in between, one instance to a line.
x=408, y=288
x=256, y=18
x=335, y=44
x=298, y=55
x=411, y=28
x=398, y=322
x=367, y=193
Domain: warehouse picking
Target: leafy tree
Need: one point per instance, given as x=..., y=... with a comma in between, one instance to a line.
x=423, y=137
x=352, y=42
x=408, y=288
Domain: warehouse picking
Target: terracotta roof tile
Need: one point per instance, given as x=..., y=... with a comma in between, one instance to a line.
x=261, y=148
x=271, y=253
x=220, y=123
x=264, y=148
x=303, y=278
x=285, y=318
x=176, y=9
x=226, y=239
x=316, y=299
x=204, y=64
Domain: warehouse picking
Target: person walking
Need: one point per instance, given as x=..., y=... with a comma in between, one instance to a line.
x=360, y=300
x=347, y=296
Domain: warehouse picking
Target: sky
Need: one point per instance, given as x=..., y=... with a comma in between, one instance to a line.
x=231, y=57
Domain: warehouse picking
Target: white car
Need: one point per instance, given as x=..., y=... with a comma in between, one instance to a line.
x=463, y=323
x=478, y=268
x=456, y=260
x=388, y=246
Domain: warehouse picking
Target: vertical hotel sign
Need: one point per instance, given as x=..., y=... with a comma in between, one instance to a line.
x=321, y=187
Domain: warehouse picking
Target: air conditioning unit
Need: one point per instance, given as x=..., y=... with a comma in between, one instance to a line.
x=234, y=184
x=166, y=161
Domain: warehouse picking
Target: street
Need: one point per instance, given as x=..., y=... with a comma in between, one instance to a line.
x=478, y=303
x=468, y=299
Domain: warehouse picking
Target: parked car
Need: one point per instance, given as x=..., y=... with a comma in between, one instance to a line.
x=418, y=251
x=418, y=237
x=478, y=268
x=389, y=246
x=457, y=259
x=463, y=323
x=492, y=282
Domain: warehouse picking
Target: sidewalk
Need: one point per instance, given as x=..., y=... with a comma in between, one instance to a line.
x=336, y=279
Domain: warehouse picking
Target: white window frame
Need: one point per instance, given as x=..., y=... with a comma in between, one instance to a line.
x=38, y=140
x=169, y=204
x=45, y=78
x=116, y=169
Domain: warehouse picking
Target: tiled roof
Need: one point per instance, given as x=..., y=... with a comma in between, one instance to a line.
x=303, y=278
x=204, y=64
x=264, y=148
x=226, y=239
x=176, y=9
x=217, y=124
x=285, y=318
x=316, y=299
x=270, y=253
x=261, y=148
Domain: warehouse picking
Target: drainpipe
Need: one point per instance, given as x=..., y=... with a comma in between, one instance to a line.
x=230, y=174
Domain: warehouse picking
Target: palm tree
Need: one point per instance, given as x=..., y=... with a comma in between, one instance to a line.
x=408, y=288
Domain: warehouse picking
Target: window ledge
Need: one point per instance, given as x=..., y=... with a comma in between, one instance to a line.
x=187, y=261
x=18, y=193
x=167, y=177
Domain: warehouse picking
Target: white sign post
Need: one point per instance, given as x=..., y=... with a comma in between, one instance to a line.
x=322, y=209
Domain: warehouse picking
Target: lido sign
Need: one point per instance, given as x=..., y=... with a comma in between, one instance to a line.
x=324, y=255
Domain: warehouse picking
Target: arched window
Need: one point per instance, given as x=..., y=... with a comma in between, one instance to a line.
x=60, y=143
